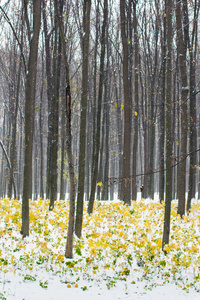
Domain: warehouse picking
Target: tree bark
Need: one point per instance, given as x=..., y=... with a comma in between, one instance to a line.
x=162, y=116
x=136, y=115
x=29, y=115
x=84, y=96
x=127, y=110
x=100, y=94
x=184, y=92
x=70, y=232
x=168, y=182
x=193, y=111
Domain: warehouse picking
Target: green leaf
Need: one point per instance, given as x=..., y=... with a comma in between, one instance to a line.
x=44, y=284
x=163, y=263
x=29, y=277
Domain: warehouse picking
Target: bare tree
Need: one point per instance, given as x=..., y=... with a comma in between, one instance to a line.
x=182, y=47
x=136, y=96
x=99, y=105
x=168, y=182
x=30, y=109
x=84, y=96
x=69, y=244
x=127, y=108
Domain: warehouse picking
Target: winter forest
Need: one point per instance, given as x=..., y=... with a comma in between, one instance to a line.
x=99, y=104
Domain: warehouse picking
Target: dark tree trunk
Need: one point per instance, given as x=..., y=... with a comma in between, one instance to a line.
x=168, y=183
x=162, y=116
x=53, y=128
x=184, y=92
x=127, y=110
x=70, y=232
x=29, y=115
x=84, y=96
x=193, y=111
x=49, y=91
x=136, y=115
x=100, y=95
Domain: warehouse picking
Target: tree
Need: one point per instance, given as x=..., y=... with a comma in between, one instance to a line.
x=135, y=138
x=182, y=47
x=127, y=109
x=84, y=95
x=168, y=182
x=69, y=244
x=30, y=89
x=162, y=113
x=99, y=104
x=192, y=46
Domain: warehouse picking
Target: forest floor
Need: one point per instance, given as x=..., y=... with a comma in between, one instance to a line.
x=119, y=255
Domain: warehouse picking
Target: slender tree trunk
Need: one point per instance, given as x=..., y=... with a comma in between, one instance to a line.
x=70, y=233
x=53, y=128
x=162, y=116
x=29, y=115
x=152, y=139
x=84, y=96
x=118, y=126
x=94, y=108
x=193, y=117
x=49, y=91
x=13, y=149
x=41, y=145
x=100, y=95
x=184, y=92
x=107, y=84
x=69, y=244
x=168, y=183
x=135, y=137
x=127, y=110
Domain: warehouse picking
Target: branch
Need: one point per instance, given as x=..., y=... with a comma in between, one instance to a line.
x=15, y=34
x=115, y=179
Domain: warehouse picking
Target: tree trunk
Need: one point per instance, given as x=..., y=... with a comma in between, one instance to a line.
x=193, y=117
x=162, y=116
x=127, y=110
x=13, y=150
x=152, y=139
x=98, y=130
x=184, y=92
x=53, y=128
x=69, y=244
x=84, y=96
x=49, y=91
x=136, y=115
x=168, y=182
x=29, y=115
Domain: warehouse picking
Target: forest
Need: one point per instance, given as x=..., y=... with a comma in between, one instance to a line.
x=100, y=103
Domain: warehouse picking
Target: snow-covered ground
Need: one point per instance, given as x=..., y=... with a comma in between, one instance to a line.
x=118, y=257
x=17, y=288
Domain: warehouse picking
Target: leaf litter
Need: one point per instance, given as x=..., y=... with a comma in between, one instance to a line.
x=119, y=255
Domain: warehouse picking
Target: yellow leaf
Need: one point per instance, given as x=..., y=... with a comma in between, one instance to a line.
x=99, y=183
x=136, y=113
x=165, y=15
x=122, y=106
x=116, y=104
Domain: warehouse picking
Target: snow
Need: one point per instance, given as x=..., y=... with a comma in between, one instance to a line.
x=17, y=288
x=118, y=257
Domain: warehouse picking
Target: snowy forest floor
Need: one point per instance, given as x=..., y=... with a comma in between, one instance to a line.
x=119, y=255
